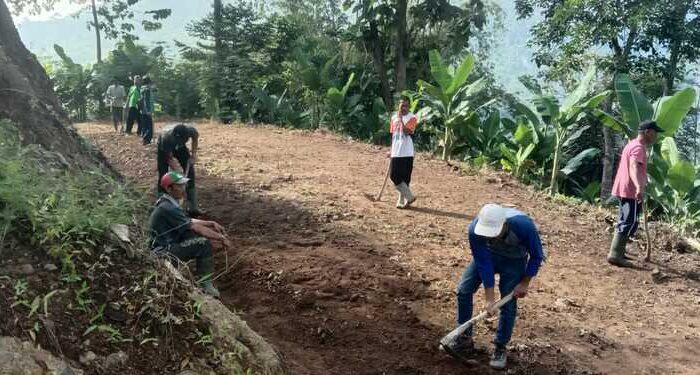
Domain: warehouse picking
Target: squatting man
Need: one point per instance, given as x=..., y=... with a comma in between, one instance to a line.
x=184, y=238
x=503, y=241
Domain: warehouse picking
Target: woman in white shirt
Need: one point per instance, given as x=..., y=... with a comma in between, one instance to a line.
x=402, y=126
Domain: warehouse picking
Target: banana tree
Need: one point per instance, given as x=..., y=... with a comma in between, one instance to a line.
x=668, y=112
x=339, y=107
x=562, y=118
x=71, y=84
x=674, y=187
x=672, y=181
x=454, y=100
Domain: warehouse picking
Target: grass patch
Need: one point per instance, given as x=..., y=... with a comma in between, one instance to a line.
x=46, y=204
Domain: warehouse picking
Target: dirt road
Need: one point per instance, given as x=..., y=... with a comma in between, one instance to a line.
x=343, y=285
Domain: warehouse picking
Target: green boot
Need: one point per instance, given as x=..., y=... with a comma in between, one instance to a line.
x=205, y=270
x=616, y=257
x=193, y=209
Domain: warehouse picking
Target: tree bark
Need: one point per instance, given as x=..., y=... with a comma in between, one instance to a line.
x=97, y=32
x=377, y=47
x=670, y=75
x=608, y=174
x=401, y=44
x=218, y=52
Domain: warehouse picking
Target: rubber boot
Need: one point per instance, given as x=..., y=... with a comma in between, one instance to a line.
x=205, y=270
x=401, y=201
x=410, y=197
x=407, y=194
x=193, y=209
x=616, y=257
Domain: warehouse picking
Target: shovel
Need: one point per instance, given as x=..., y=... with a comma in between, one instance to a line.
x=448, y=342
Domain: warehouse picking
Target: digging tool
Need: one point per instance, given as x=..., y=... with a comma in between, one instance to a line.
x=448, y=342
x=386, y=179
x=645, y=210
x=386, y=176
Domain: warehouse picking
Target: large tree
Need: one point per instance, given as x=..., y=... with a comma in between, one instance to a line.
x=574, y=34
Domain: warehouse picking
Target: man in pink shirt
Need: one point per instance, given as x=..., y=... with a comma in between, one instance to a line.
x=630, y=181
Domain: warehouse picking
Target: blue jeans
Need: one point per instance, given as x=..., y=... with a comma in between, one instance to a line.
x=511, y=272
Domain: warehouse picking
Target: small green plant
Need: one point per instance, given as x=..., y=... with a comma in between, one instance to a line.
x=204, y=338
x=114, y=334
x=82, y=298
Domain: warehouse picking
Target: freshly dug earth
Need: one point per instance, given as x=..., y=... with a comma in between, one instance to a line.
x=344, y=285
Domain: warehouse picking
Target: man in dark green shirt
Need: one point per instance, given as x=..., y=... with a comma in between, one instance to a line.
x=174, y=233
x=173, y=155
x=147, y=110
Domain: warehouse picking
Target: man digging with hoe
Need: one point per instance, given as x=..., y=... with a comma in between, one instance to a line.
x=503, y=241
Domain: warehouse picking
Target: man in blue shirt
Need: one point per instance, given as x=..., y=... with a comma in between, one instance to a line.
x=503, y=241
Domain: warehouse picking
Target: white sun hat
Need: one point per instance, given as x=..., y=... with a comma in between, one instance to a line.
x=490, y=220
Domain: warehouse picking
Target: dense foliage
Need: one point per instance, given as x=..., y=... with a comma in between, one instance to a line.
x=342, y=65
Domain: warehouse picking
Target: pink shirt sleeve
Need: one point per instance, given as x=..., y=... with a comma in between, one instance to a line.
x=638, y=154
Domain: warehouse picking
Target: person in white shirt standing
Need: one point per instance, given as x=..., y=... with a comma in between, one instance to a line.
x=115, y=97
x=403, y=125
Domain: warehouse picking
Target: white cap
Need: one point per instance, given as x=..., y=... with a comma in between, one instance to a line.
x=490, y=220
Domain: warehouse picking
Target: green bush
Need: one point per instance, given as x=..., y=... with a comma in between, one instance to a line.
x=60, y=210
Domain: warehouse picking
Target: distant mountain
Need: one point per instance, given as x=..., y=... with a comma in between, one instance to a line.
x=511, y=56
x=79, y=42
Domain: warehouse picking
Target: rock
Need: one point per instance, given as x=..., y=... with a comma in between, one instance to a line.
x=121, y=231
x=17, y=357
x=115, y=360
x=88, y=358
x=50, y=267
x=26, y=269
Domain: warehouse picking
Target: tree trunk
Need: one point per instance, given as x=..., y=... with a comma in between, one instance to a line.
x=377, y=47
x=554, y=181
x=97, y=32
x=608, y=163
x=218, y=53
x=401, y=44
x=670, y=75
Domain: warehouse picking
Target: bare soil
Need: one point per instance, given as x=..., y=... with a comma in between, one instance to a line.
x=344, y=285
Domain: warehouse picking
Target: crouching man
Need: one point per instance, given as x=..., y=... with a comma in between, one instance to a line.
x=174, y=233
x=503, y=241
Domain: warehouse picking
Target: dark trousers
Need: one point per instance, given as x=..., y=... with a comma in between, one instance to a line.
x=147, y=128
x=401, y=170
x=511, y=273
x=628, y=216
x=182, y=154
x=133, y=115
x=192, y=248
x=117, y=114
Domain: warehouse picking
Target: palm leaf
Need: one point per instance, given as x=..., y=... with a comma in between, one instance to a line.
x=634, y=105
x=439, y=71
x=672, y=109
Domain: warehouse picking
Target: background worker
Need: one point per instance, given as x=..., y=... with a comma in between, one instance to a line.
x=147, y=95
x=173, y=155
x=115, y=98
x=134, y=104
x=403, y=125
x=630, y=181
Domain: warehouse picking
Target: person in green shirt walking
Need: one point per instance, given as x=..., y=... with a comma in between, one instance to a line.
x=134, y=103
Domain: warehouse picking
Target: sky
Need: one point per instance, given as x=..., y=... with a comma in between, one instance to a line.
x=62, y=9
